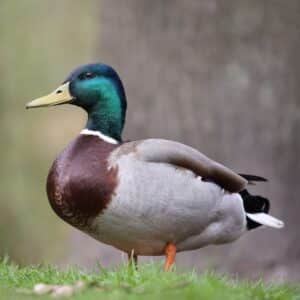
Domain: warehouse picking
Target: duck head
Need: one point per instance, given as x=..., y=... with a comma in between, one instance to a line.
x=97, y=89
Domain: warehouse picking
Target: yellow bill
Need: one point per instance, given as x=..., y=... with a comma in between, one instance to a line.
x=59, y=96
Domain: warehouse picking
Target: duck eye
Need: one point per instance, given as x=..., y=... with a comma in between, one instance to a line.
x=87, y=75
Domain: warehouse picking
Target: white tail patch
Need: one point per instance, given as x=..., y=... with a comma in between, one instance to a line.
x=265, y=219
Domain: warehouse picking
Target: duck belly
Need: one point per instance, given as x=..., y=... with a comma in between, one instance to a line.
x=156, y=204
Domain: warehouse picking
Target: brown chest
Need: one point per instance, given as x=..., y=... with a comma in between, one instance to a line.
x=80, y=183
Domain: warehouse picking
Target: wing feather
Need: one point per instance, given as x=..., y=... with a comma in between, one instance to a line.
x=165, y=151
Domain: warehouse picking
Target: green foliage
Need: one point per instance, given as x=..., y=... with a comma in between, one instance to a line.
x=148, y=282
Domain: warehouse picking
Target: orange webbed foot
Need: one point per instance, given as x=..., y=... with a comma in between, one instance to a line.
x=170, y=251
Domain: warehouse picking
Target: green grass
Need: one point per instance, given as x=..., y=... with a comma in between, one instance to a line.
x=149, y=282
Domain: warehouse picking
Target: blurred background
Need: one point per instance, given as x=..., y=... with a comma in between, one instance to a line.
x=221, y=76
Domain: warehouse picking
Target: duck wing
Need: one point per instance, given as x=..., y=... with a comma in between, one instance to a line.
x=180, y=155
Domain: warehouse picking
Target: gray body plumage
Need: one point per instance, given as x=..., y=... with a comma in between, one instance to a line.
x=159, y=201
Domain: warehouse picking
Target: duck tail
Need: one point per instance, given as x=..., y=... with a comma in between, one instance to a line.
x=257, y=209
x=253, y=178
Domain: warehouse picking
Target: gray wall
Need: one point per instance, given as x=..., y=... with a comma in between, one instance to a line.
x=221, y=76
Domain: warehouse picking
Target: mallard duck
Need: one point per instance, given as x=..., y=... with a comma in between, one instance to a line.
x=146, y=197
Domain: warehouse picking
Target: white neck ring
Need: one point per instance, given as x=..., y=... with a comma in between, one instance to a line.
x=102, y=136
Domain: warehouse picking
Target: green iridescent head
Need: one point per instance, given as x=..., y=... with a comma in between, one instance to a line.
x=98, y=89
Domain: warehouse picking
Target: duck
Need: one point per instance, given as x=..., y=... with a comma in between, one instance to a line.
x=148, y=197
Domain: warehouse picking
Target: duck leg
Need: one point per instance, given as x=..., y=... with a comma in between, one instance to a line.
x=133, y=259
x=170, y=251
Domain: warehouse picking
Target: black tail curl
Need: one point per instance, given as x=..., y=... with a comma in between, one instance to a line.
x=254, y=204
